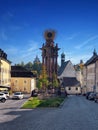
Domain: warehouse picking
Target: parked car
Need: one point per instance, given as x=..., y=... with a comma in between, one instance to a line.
x=96, y=97
x=87, y=94
x=18, y=95
x=34, y=93
x=2, y=97
x=6, y=93
x=91, y=96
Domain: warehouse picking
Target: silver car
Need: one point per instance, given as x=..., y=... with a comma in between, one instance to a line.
x=96, y=97
x=91, y=96
x=18, y=95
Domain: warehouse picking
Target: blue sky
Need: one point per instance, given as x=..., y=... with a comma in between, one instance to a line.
x=23, y=22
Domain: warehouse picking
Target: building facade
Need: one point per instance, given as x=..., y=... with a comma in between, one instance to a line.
x=79, y=75
x=67, y=77
x=5, y=71
x=22, y=80
x=90, y=73
x=96, y=76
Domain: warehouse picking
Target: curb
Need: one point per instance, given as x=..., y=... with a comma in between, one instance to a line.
x=61, y=105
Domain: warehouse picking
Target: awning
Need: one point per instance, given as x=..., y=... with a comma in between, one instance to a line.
x=5, y=87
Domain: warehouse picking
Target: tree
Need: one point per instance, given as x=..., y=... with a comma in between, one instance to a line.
x=37, y=67
x=44, y=78
x=55, y=80
x=39, y=84
x=29, y=66
x=22, y=63
x=34, y=67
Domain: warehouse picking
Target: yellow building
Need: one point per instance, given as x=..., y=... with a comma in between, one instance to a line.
x=22, y=80
x=5, y=69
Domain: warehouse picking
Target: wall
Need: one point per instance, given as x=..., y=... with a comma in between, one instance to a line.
x=69, y=71
x=90, y=77
x=97, y=76
x=22, y=84
x=73, y=90
x=5, y=75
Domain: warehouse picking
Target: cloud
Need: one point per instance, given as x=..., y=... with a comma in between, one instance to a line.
x=72, y=36
x=15, y=27
x=16, y=54
x=10, y=14
x=30, y=51
x=3, y=35
x=7, y=16
x=76, y=58
x=11, y=50
x=86, y=42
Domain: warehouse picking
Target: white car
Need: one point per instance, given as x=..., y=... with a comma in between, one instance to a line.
x=6, y=93
x=18, y=95
x=2, y=97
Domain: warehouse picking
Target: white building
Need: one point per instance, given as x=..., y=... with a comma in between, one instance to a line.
x=67, y=77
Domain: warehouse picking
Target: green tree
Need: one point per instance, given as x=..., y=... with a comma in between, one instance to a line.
x=55, y=81
x=29, y=66
x=39, y=84
x=37, y=67
x=22, y=63
x=44, y=78
x=34, y=67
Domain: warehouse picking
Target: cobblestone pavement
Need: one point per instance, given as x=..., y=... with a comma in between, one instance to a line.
x=77, y=113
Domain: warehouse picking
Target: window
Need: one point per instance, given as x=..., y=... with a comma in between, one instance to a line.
x=24, y=88
x=16, y=81
x=69, y=88
x=25, y=81
x=76, y=88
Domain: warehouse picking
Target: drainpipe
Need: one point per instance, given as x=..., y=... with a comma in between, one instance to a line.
x=95, y=78
x=86, y=79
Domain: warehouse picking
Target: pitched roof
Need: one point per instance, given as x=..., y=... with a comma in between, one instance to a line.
x=70, y=81
x=61, y=69
x=92, y=59
x=19, y=71
x=3, y=56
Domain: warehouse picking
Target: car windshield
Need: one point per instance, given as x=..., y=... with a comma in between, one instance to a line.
x=6, y=92
x=18, y=93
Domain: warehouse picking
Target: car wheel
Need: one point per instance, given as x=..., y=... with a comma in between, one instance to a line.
x=3, y=100
x=96, y=100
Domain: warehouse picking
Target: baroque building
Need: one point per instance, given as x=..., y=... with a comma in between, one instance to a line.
x=5, y=69
x=22, y=80
x=90, y=73
x=79, y=74
x=67, y=77
x=50, y=54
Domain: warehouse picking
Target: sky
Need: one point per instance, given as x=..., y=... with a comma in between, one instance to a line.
x=23, y=22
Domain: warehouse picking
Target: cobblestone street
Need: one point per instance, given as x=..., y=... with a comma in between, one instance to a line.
x=77, y=113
